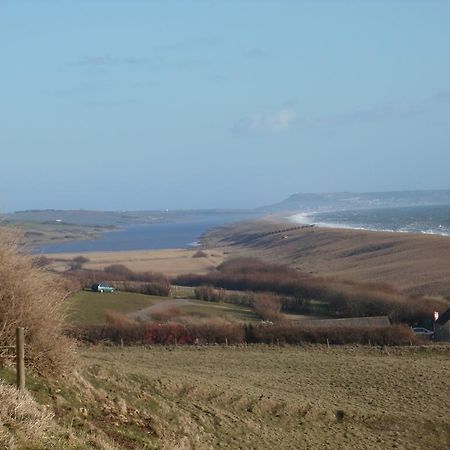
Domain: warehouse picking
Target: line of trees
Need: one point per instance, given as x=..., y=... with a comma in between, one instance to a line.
x=302, y=291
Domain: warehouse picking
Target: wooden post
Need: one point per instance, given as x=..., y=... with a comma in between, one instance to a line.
x=328, y=343
x=20, y=358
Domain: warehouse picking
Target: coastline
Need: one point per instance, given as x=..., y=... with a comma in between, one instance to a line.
x=417, y=221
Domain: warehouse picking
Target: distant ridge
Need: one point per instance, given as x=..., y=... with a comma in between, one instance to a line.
x=354, y=200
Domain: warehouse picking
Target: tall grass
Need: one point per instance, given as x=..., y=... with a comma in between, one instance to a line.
x=32, y=298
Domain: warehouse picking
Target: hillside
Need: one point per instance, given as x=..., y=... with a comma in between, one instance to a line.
x=411, y=262
x=254, y=397
x=357, y=200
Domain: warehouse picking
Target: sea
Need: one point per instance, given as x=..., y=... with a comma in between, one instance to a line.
x=411, y=219
x=148, y=237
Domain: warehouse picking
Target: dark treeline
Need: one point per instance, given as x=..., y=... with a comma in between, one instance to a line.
x=303, y=291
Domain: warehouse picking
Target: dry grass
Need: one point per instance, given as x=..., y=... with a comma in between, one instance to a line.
x=413, y=262
x=170, y=262
x=22, y=418
x=31, y=298
x=271, y=397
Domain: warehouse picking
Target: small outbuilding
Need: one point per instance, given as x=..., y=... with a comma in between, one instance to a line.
x=442, y=327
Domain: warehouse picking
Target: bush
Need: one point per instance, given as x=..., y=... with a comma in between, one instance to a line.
x=32, y=298
x=199, y=254
x=77, y=262
x=337, y=297
x=149, y=283
x=295, y=334
x=219, y=331
x=267, y=307
x=208, y=293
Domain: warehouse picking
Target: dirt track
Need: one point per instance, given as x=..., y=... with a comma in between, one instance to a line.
x=144, y=314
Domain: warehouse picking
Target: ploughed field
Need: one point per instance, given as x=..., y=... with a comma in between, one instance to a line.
x=262, y=397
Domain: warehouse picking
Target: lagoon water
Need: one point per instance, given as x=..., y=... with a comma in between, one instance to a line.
x=148, y=237
x=414, y=219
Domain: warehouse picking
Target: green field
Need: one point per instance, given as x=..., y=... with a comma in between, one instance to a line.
x=88, y=307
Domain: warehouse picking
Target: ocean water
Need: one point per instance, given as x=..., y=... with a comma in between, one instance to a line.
x=147, y=237
x=414, y=219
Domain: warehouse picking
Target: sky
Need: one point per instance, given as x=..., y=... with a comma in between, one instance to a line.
x=138, y=105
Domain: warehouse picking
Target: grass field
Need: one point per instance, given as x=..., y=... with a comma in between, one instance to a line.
x=255, y=397
x=89, y=308
x=264, y=398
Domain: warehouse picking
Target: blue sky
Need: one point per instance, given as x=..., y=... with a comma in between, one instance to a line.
x=203, y=104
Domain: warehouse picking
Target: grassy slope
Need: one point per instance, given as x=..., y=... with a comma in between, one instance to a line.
x=256, y=397
x=263, y=397
x=89, y=307
x=414, y=262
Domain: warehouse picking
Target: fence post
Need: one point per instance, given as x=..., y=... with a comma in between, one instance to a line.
x=20, y=358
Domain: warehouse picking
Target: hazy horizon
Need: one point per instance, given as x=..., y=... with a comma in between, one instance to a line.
x=131, y=105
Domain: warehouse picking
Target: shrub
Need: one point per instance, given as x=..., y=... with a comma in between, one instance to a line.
x=267, y=307
x=208, y=293
x=119, y=271
x=219, y=331
x=32, y=298
x=149, y=283
x=337, y=297
x=77, y=262
x=295, y=334
x=199, y=254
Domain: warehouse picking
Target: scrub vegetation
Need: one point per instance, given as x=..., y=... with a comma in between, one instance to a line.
x=227, y=369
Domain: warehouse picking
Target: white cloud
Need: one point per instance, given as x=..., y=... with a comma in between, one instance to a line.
x=267, y=123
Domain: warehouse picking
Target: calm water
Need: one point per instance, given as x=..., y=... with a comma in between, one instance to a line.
x=417, y=219
x=148, y=237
